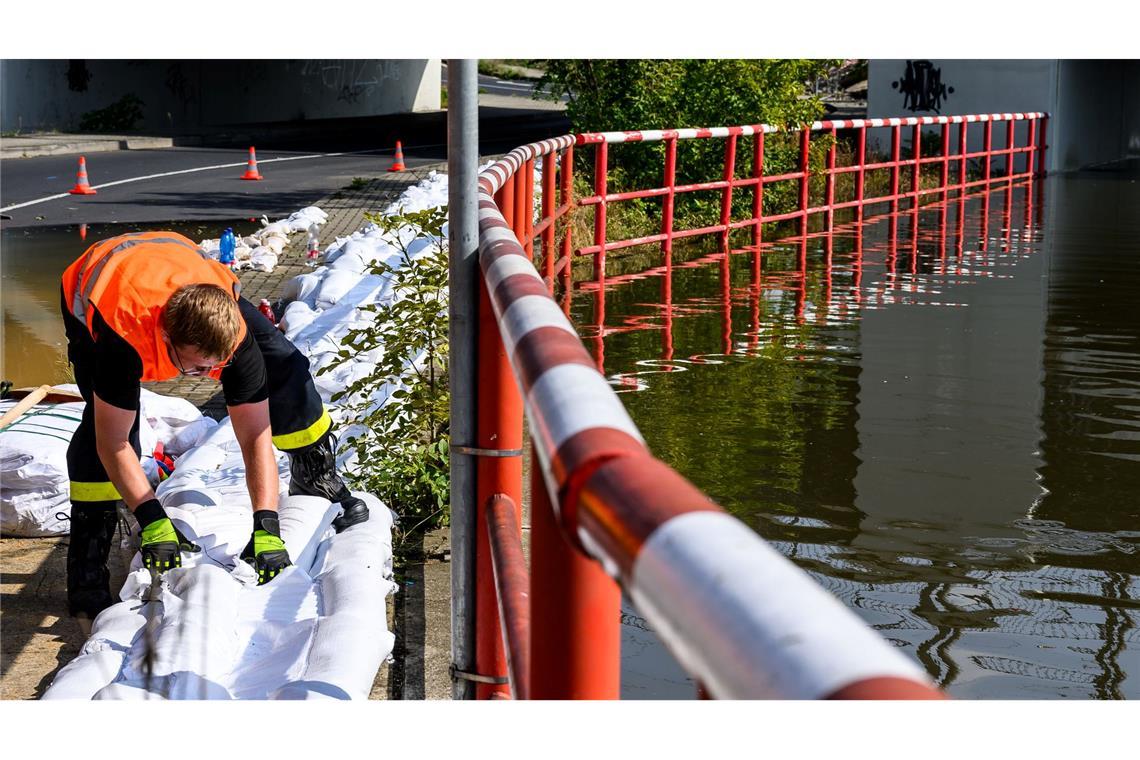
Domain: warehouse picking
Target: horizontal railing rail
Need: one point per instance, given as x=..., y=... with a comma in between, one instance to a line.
x=740, y=618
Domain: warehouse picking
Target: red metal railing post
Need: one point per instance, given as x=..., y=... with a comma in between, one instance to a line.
x=987, y=148
x=548, y=202
x=805, y=170
x=860, y=175
x=758, y=196
x=575, y=612
x=829, y=191
x=896, y=139
x=916, y=174
x=962, y=151
x=601, y=153
x=523, y=207
x=505, y=200
x=1010, y=136
x=944, y=177
x=499, y=427
x=566, y=196
x=726, y=194
x=1031, y=145
x=668, y=201
x=1042, y=147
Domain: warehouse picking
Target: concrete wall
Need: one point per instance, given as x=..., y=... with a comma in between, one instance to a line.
x=1101, y=114
x=1094, y=105
x=178, y=95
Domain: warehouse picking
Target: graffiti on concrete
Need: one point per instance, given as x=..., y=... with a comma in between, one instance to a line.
x=77, y=76
x=922, y=87
x=350, y=79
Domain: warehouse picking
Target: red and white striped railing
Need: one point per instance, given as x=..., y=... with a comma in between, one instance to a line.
x=742, y=620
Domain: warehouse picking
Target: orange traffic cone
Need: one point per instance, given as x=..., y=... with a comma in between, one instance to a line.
x=398, y=161
x=251, y=167
x=81, y=186
x=83, y=232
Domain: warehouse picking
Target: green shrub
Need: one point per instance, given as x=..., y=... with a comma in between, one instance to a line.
x=117, y=117
x=402, y=456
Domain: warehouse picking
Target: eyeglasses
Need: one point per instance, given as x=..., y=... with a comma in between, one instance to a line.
x=195, y=371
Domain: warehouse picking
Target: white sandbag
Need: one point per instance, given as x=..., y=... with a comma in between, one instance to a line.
x=349, y=262
x=335, y=286
x=295, y=318
x=318, y=627
x=304, y=287
x=34, y=487
x=263, y=259
x=176, y=422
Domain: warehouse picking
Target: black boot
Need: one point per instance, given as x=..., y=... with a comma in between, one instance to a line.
x=88, y=579
x=312, y=472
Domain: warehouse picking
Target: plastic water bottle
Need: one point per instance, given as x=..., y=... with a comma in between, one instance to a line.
x=228, y=243
x=267, y=309
x=314, y=241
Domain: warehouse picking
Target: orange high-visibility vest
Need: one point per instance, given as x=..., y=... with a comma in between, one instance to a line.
x=130, y=278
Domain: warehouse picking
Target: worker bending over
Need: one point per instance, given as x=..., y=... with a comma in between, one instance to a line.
x=152, y=306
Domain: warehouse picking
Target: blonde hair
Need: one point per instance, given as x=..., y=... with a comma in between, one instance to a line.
x=205, y=317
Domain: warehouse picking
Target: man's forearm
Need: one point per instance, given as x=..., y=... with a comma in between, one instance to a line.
x=261, y=473
x=251, y=426
x=125, y=472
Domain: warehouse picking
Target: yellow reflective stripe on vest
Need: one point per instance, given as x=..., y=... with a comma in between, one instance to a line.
x=302, y=438
x=104, y=491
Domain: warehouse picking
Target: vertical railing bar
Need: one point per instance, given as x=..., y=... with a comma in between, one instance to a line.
x=829, y=180
x=860, y=176
x=962, y=151
x=522, y=210
x=601, y=154
x=1042, y=147
x=1031, y=142
x=987, y=152
x=758, y=195
x=896, y=139
x=805, y=178
x=916, y=174
x=667, y=203
x=726, y=194
x=944, y=178
x=528, y=208
x=566, y=256
x=1010, y=138
x=547, y=214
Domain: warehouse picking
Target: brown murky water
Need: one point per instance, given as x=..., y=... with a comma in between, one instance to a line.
x=940, y=423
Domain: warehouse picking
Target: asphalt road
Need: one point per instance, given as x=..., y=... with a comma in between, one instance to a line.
x=519, y=88
x=212, y=193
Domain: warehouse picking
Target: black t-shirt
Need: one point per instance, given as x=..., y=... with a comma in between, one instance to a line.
x=118, y=369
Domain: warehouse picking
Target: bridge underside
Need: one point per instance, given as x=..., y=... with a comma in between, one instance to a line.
x=175, y=96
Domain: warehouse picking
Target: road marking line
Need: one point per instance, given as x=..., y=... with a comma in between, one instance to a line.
x=180, y=171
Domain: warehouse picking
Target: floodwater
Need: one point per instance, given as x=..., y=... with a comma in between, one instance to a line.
x=941, y=426
x=32, y=259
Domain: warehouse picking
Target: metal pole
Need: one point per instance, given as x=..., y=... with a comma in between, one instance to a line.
x=463, y=309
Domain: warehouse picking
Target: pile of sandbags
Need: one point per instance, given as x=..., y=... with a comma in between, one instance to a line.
x=323, y=305
x=261, y=250
x=317, y=631
x=35, y=488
